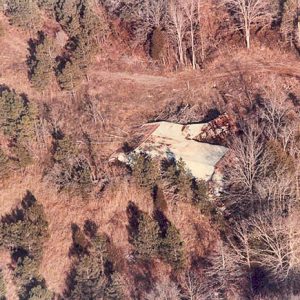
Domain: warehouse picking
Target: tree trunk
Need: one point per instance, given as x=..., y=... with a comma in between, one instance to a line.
x=247, y=33
x=193, y=46
x=298, y=22
x=180, y=50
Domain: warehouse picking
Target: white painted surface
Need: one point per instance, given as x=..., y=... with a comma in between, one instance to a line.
x=200, y=158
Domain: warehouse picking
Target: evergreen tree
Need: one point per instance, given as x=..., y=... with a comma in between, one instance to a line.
x=76, y=17
x=69, y=75
x=47, y=5
x=145, y=170
x=28, y=232
x=23, y=13
x=147, y=239
x=4, y=163
x=68, y=14
x=40, y=62
x=171, y=248
x=17, y=115
x=23, y=232
x=40, y=293
x=114, y=291
x=89, y=282
x=25, y=272
x=92, y=271
x=83, y=27
x=184, y=181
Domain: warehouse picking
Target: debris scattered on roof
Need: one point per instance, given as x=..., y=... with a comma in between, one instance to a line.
x=213, y=132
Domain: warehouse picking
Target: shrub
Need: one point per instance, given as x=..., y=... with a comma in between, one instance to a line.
x=40, y=62
x=21, y=155
x=278, y=160
x=47, y=5
x=2, y=30
x=64, y=149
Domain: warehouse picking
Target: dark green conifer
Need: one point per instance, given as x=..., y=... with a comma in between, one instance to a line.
x=23, y=13
x=40, y=62
x=17, y=115
x=39, y=292
x=69, y=75
x=147, y=239
x=145, y=170
x=171, y=248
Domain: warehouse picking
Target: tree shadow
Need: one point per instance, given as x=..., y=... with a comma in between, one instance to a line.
x=4, y=88
x=133, y=215
x=32, y=49
x=18, y=214
x=162, y=221
x=278, y=21
x=159, y=199
x=294, y=98
x=211, y=114
x=19, y=253
x=143, y=279
x=28, y=200
x=80, y=243
x=34, y=282
x=90, y=228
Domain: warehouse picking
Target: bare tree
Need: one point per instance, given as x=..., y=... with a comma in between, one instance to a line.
x=225, y=276
x=191, y=9
x=178, y=24
x=290, y=26
x=247, y=167
x=164, y=290
x=192, y=286
x=276, y=244
x=249, y=14
x=269, y=241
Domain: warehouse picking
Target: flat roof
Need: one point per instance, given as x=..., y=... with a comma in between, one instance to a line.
x=200, y=158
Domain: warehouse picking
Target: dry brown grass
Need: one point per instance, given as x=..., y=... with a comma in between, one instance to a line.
x=109, y=212
x=128, y=98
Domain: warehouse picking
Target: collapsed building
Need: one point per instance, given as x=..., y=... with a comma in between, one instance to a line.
x=201, y=146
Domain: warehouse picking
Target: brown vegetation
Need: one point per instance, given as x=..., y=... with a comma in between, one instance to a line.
x=180, y=61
